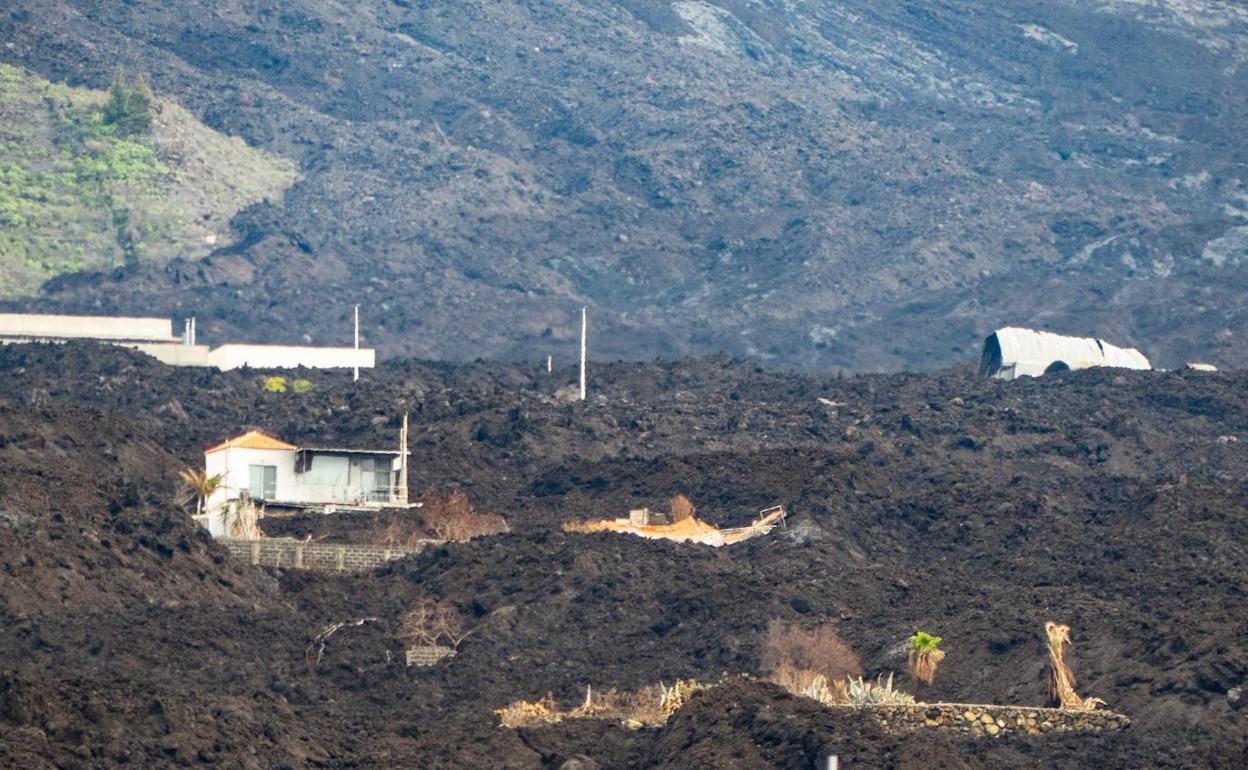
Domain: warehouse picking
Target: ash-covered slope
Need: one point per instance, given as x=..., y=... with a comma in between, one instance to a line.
x=1113, y=501
x=821, y=184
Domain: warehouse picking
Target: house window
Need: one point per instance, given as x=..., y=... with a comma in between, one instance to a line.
x=378, y=479
x=263, y=482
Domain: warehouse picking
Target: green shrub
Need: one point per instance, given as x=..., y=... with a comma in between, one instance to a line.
x=924, y=655
x=131, y=106
x=274, y=384
x=301, y=385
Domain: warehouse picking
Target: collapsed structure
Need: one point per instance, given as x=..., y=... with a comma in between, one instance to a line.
x=155, y=337
x=1012, y=352
x=655, y=525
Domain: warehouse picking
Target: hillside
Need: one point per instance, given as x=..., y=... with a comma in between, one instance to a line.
x=77, y=195
x=838, y=184
x=1114, y=501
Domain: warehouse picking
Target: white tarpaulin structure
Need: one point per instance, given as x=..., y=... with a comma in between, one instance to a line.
x=1012, y=352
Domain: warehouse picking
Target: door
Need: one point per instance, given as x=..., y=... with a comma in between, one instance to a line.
x=263, y=484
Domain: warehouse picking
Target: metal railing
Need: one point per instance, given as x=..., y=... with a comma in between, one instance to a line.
x=323, y=493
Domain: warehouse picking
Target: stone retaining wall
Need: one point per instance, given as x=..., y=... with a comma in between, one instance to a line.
x=993, y=721
x=329, y=557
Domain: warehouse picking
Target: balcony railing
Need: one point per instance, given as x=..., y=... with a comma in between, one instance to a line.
x=323, y=493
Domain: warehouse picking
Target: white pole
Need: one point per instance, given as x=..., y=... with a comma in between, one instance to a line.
x=550, y=364
x=584, y=335
x=356, y=375
x=403, y=463
x=194, y=330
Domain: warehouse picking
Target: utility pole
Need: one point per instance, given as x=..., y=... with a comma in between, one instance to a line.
x=584, y=337
x=356, y=376
x=403, y=462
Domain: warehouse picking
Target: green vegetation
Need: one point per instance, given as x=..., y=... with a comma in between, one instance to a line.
x=86, y=196
x=94, y=181
x=199, y=486
x=862, y=692
x=274, y=384
x=131, y=106
x=924, y=656
x=277, y=383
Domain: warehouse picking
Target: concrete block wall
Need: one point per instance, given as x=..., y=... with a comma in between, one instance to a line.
x=428, y=655
x=326, y=557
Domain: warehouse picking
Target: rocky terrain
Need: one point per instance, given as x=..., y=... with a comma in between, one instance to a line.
x=826, y=185
x=1112, y=501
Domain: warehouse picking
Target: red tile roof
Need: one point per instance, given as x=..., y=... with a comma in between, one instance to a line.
x=252, y=439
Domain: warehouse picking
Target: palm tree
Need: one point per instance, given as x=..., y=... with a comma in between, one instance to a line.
x=1061, y=678
x=924, y=656
x=200, y=486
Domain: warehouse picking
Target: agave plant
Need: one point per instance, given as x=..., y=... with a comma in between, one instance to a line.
x=819, y=690
x=877, y=693
x=924, y=656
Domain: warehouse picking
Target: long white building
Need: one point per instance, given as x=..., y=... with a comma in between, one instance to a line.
x=155, y=337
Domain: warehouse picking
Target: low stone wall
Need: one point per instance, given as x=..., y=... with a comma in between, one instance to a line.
x=328, y=557
x=993, y=721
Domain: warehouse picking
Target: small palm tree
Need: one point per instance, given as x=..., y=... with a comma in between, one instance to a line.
x=924, y=656
x=200, y=486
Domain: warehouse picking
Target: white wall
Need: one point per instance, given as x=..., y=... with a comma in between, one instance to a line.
x=291, y=356
x=340, y=484
x=33, y=326
x=234, y=463
x=176, y=354
x=155, y=337
x=234, y=356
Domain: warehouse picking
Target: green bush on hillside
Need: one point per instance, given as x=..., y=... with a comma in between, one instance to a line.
x=131, y=106
x=94, y=180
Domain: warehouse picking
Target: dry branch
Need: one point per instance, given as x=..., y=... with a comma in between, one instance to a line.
x=318, y=641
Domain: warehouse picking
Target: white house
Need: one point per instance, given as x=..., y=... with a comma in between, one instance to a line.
x=281, y=475
x=1011, y=352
